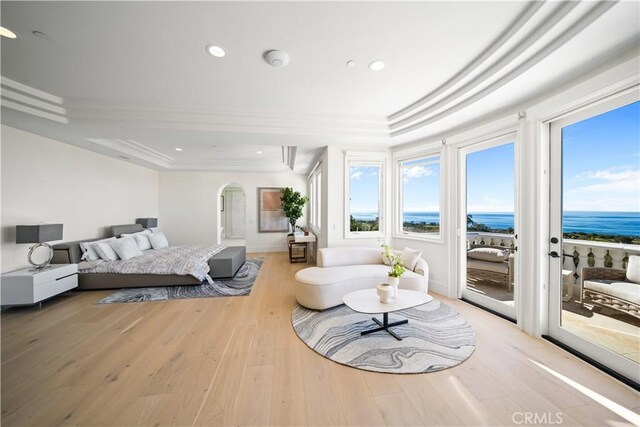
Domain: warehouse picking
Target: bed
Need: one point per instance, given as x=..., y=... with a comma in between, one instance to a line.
x=122, y=274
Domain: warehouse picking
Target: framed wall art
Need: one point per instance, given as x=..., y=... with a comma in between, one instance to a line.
x=271, y=217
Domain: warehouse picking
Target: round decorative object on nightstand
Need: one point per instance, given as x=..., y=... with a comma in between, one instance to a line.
x=44, y=263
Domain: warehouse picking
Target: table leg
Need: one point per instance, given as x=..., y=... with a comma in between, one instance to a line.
x=385, y=326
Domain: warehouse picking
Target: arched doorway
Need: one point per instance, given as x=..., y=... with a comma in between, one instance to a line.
x=233, y=213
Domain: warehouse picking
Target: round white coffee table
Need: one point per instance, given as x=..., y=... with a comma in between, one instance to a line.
x=368, y=301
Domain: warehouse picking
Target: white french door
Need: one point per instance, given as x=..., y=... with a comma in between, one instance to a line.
x=593, y=174
x=487, y=246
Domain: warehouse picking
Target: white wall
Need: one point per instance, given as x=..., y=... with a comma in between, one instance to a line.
x=48, y=181
x=189, y=206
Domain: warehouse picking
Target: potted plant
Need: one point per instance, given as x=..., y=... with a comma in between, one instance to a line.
x=292, y=204
x=396, y=269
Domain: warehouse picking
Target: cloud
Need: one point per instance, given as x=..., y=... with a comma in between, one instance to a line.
x=415, y=172
x=357, y=175
x=612, y=189
x=612, y=179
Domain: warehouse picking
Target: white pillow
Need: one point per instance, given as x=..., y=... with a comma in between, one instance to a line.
x=633, y=269
x=106, y=252
x=126, y=248
x=489, y=254
x=158, y=240
x=89, y=251
x=141, y=238
x=409, y=258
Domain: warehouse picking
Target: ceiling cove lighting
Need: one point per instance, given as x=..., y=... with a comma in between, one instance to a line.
x=178, y=149
x=5, y=32
x=376, y=65
x=216, y=51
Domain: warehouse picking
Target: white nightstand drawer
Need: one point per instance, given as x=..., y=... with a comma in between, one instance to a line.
x=29, y=286
x=47, y=290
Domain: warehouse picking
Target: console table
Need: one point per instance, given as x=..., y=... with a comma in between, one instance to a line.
x=299, y=246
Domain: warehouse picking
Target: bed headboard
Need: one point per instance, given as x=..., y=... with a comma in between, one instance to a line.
x=118, y=230
x=68, y=252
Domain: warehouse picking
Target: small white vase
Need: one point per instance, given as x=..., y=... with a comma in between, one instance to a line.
x=394, y=282
x=385, y=292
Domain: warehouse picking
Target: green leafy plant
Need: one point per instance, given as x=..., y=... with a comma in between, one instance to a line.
x=292, y=203
x=397, y=269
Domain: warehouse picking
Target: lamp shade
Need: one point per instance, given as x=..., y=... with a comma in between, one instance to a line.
x=40, y=233
x=147, y=222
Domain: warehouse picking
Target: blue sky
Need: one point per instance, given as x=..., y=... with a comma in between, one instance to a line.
x=364, y=186
x=421, y=180
x=490, y=174
x=601, y=162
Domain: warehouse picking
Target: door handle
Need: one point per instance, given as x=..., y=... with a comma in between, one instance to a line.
x=554, y=254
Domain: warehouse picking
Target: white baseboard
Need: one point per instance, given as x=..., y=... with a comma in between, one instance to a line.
x=271, y=248
x=438, y=287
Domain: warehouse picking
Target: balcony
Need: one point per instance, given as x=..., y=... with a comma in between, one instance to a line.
x=605, y=326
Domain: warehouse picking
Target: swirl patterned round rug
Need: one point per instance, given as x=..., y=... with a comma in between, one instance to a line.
x=436, y=338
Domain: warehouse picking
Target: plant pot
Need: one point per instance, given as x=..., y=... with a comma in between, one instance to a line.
x=385, y=292
x=394, y=282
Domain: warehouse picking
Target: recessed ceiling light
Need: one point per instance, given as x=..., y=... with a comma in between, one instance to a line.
x=216, y=51
x=376, y=65
x=258, y=152
x=5, y=32
x=178, y=149
x=351, y=63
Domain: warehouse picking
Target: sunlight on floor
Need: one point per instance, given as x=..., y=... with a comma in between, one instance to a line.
x=617, y=332
x=620, y=410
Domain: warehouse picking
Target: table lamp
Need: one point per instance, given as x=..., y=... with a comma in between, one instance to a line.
x=147, y=222
x=39, y=234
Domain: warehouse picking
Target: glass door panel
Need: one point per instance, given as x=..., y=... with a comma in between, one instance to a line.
x=489, y=239
x=595, y=231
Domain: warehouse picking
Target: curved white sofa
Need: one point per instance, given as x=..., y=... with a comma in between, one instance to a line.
x=343, y=270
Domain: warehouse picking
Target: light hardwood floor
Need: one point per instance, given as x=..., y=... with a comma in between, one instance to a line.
x=237, y=361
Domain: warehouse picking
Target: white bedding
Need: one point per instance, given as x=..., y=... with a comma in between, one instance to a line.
x=182, y=260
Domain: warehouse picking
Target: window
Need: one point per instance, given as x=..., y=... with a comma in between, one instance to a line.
x=364, y=190
x=419, y=196
x=315, y=198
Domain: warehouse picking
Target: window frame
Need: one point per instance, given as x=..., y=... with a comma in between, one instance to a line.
x=315, y=198
x=398, y=217
x=378, y=159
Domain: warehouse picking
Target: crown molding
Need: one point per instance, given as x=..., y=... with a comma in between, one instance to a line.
x=234, y=120
x=581, y=22
x=32, y=101
x=131, y=148
x=230, y=166
x=505, y=36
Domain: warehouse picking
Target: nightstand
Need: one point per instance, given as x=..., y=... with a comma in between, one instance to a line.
x=30, y=286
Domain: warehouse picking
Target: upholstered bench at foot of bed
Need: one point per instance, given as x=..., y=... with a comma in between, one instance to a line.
x=227, y=262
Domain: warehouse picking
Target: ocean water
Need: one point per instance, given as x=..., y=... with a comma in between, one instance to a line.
x=614, y=223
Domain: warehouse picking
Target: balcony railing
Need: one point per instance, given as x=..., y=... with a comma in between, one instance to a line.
x=577, y=253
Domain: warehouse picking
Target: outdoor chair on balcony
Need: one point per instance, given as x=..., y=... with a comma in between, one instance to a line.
x=491, y=264
x=613, y=288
